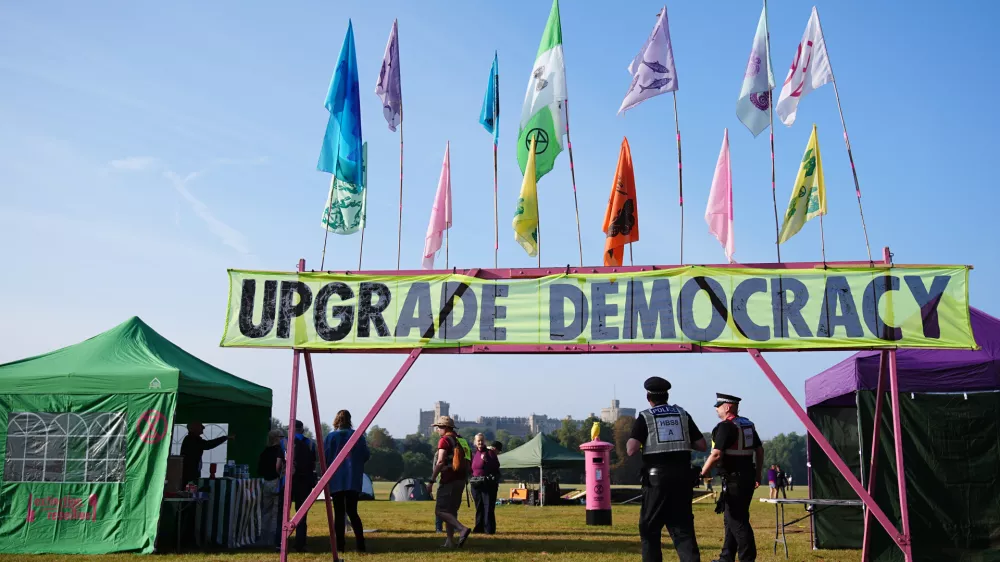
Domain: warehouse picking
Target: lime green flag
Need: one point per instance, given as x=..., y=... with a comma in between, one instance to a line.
x=526, y=216
x=542, y=113
x=809, y=194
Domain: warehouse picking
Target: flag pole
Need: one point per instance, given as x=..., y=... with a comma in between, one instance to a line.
x=538, y=228
x=847, y=141
x=680, y=176
x=447, y=239
x=572, y=173
x=399, y=229
x=364, y=201
x=496, y=216
x=496, y=124
x=326, y=227
x=822, y=240
x=630, y=260
x=770, y=116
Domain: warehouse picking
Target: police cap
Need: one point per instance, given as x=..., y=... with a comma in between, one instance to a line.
x=721, y=399
x=656, y=385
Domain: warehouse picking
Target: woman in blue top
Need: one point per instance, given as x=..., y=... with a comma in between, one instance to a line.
x=345, y=486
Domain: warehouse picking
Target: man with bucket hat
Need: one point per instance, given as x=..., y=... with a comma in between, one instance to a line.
x=453, y=460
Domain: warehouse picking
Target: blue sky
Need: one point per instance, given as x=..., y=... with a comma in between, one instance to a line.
x=145, y=148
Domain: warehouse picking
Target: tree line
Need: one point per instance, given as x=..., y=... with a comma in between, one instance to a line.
x=412, y=456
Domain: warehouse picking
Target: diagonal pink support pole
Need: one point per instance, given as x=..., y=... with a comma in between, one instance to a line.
x=286, y=506
x=883, y=366
x=318, y=425
x=361, y=429
x=820, y=440
x=897, y=431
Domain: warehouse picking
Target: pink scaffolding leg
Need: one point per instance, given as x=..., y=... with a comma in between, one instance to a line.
x=286, y=525
x=883, y=366
x=897, y=431
x=827, y=448
x=361, y=429
x=317, y=424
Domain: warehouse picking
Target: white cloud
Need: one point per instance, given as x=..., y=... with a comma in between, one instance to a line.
x=135, y=163
x=229, y=235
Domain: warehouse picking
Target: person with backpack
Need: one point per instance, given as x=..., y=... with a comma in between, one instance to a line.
x=303, y=477
x=453, y=463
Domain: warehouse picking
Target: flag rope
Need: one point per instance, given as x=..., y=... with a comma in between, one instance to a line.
x=572, y=173
x=399, y=228
x=770, y=116
x=847, y=141
x=680, y=175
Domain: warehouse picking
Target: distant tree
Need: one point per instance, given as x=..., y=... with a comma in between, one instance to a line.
x=326, y=429
x=379, y=438
x=503, y=436
x=415, y=443
x=698, y=458
x=513, y=443
x=385, y=464
x=276, y=424
x=788, y=452
x=567, y=435
x=416, y=465
x=626, y=469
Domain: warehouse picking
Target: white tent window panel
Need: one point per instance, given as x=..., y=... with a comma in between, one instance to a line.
x=217, y=455
x=65, y=447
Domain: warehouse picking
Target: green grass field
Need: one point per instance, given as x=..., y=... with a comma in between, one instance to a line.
x=405, y=531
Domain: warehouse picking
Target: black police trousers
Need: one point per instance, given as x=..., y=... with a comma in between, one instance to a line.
x=738, y=491
x=666, y=502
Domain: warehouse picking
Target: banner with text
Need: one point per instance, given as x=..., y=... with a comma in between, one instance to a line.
x=856, y=307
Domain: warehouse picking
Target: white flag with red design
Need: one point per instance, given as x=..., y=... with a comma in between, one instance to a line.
x=810, y=70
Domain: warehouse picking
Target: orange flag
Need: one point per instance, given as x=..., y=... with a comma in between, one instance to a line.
x=621, y=220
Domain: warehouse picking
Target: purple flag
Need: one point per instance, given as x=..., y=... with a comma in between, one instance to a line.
x=389, y=88
x=652, y=71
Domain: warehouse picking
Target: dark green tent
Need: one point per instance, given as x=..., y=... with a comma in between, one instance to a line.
x=88, y=432
x=541, y=452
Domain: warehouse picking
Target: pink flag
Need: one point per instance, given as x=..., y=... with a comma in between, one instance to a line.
x=719, y=212
x=440, y=212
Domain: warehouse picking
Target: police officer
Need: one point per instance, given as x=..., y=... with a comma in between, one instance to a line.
x=666, y=434
x=735, y=449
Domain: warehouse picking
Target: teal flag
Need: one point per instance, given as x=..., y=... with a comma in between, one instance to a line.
x=346, y=204
x=341, y=152
x=490, y=114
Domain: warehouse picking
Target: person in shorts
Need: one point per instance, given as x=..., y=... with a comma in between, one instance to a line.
x=449, y=494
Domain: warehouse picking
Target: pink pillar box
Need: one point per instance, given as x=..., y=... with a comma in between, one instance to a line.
x=598, y=459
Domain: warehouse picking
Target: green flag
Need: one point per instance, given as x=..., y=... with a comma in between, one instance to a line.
x=542, y=113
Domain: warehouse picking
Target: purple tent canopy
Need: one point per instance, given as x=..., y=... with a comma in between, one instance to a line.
x=920, y=370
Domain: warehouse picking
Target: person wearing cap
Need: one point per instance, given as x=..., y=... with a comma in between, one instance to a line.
x=737, y=451
x=666, y=435
x=449, y=495
x=193, y=447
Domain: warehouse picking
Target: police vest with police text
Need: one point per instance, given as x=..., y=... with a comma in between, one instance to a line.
x=743, y=445
x=666, y=430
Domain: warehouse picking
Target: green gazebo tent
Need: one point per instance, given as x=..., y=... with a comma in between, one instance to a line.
x=541, y=452
x=87, y=434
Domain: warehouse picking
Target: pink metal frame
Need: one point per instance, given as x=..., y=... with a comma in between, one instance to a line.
x=900, y=537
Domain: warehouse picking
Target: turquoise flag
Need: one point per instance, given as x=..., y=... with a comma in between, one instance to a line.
x=341, y=152
x=490, y=115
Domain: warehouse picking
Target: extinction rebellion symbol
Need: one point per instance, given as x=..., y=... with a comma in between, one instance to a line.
x=541, y=142
x=152, y=427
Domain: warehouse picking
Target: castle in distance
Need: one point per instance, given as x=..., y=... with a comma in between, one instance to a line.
x=516, y=426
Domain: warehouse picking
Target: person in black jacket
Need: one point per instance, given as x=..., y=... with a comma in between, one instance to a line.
x=303, y=477
x=192, y=448
x=271, y=467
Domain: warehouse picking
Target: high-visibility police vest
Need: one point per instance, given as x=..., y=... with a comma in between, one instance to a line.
x=743, y=446
x=666, y=430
